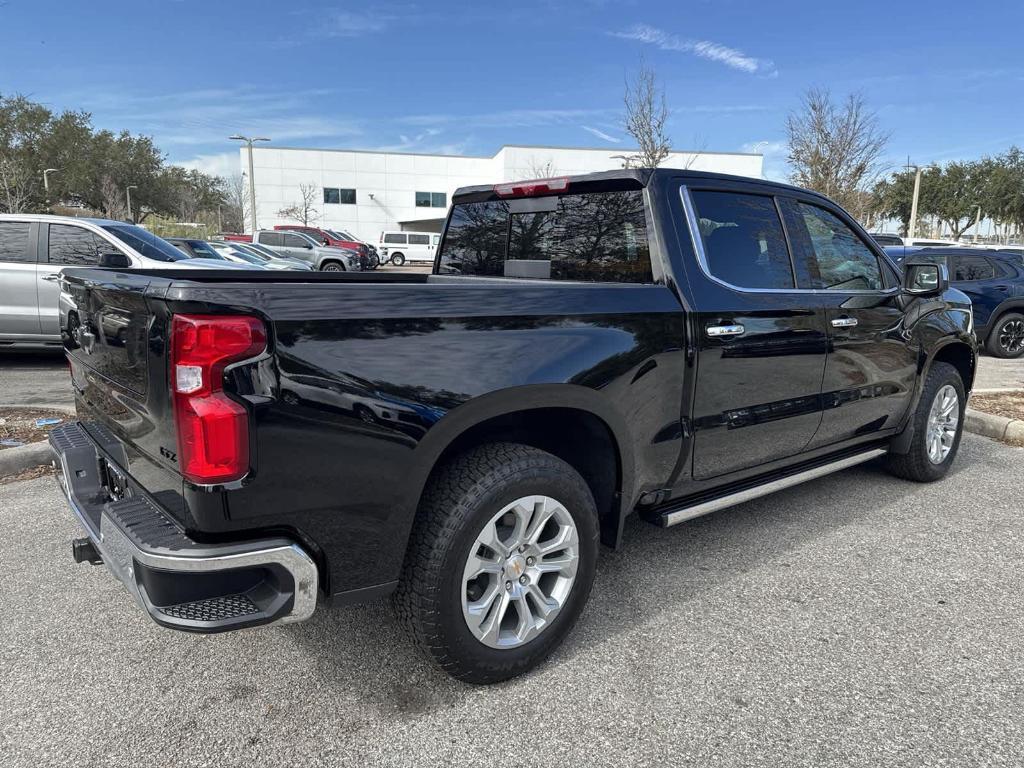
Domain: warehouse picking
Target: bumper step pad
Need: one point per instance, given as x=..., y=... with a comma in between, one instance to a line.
x=213, y=609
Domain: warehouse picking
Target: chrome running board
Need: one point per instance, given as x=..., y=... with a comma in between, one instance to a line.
x=688, y=512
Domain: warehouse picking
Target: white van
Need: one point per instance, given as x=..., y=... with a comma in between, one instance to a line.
x=400, y=247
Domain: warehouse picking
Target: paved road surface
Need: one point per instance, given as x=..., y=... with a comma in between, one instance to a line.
x=854, y=621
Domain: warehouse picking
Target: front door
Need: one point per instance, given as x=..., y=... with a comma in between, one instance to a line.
x=872, y=364
x=761, y=342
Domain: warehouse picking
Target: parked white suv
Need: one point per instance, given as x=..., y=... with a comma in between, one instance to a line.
x=34, y=248
x=400, y=247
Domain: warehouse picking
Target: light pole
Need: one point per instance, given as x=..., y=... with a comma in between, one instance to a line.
x=46, y=184
x=252, y=183
x=917, y=193
x=128, y=197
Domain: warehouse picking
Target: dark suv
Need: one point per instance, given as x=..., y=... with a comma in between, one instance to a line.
x=995, y=282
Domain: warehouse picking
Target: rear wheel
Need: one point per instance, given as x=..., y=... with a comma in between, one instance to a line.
x=397, y=259
x=332, y=266
x=938, y=425
x=500, y=563
x=1007, y=337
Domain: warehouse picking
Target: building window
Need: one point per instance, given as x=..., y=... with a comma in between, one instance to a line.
x=336, y=196
x=431, y=200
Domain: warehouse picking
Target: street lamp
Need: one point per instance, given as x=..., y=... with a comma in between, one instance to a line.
x=917, y=194
x=46, y=184
x=128, y=197
x=252, y=183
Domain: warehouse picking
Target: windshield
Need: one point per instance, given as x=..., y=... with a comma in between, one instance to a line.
x=246, y=257
x=261, y=249
x=249, y=251
x=339, y=235
x=145, y=242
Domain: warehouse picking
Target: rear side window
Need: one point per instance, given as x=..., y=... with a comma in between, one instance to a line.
x=973, y=268
x=744, y=244
x=419, y=239
x=394, y=239
x=599, y=237
x=835, y=258
x=14, y=242
x=74, y=246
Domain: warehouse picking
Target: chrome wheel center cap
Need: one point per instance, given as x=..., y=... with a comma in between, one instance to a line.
x=515, y=567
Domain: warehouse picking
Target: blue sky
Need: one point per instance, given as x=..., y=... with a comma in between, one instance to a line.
x=946, y=79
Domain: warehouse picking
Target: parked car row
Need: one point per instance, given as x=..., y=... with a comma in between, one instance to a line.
x=994, y=281
x=885, y=239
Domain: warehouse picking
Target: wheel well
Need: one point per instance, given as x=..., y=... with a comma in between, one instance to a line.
x=961, y=358
x=578, y=437
x=325, y=262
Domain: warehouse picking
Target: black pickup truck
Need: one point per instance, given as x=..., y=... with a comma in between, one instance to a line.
x=660, y=343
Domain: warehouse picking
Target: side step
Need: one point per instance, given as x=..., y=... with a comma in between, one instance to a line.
x=689, y=511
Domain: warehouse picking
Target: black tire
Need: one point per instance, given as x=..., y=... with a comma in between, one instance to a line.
x=458, y=503
x=1007, y=337
x=332, y=266
x=398, y=259
x=915, y=464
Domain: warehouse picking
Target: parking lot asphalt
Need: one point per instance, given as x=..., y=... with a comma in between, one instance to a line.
x=857, y=620
x=995, y=374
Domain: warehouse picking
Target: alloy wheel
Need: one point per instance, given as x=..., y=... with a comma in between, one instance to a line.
x=943, y=419
x=520, y=571
x=1011, y=337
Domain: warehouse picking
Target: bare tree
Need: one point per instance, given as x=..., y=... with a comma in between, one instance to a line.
x=17, y=186
x=646, y=115
x=305, y=210
x=236, y=202
x=836, y=149
x=541, y=169
x=112, y=198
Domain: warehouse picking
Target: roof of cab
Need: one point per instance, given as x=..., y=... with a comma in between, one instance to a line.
x=642, y=176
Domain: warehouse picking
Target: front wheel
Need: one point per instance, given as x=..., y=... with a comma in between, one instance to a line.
x=332, y=266
x=500, y=563
x=938, y=424
x=398, y=259
x=1007, y=337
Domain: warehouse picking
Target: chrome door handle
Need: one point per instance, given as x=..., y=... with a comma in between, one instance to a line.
x=725, y=330
x=844, y=322
x=52, y=278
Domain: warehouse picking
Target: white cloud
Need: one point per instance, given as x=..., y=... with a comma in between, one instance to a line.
x=225, y=164
x=349, y=24
x=510, y=118
x=705, y=49
x=600, y=134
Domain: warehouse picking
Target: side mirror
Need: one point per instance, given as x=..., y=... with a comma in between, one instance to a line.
x=924, y=278
x=114, y=261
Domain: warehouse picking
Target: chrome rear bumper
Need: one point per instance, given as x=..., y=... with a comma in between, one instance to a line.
x=179, y=582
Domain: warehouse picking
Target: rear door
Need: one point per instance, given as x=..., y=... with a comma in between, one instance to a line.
x=19, y=309
x=982, y=280
x=64, y=245
x=760, y=341
x=872, y=366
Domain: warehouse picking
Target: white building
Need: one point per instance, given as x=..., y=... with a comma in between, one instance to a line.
x=366, y=192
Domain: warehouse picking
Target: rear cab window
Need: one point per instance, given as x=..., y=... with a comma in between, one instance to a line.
x=594, y=236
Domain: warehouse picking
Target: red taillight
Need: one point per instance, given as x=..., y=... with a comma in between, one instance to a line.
x=213, y=430
x=531, y=188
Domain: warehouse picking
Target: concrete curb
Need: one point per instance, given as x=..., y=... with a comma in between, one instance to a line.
x=998, y=427
x=15, y=460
